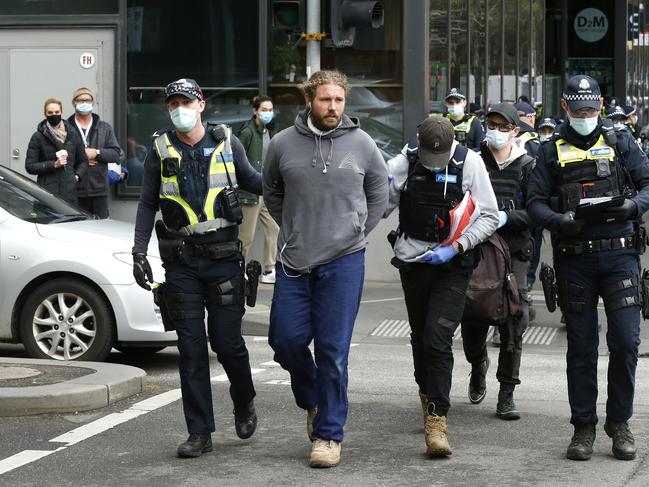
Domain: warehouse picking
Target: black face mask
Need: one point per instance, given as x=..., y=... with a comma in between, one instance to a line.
x=53, y=120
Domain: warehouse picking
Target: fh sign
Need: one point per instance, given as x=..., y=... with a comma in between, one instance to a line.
x=87, y=60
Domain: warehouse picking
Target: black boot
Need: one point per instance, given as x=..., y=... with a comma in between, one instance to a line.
x=506, y=408
x=623, y=442
x=581, y=445
x=196, y=445
x=478, y=381
x=245, y=420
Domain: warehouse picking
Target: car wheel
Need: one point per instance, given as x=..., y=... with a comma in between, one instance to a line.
x=66, y=319
x=134, y=351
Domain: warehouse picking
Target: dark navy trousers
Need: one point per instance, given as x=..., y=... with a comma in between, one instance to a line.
x=320, y=305
x=224, y=329
x=584, y=277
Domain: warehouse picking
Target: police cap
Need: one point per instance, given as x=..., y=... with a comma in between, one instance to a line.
x=455, y=93
x=525, y=109
x=184, y=87
x=547, y=122
x=629, y=110
x=436, y=137
x=615, y=112
x=582, y=91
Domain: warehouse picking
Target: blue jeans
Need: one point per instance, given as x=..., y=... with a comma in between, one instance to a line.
x=581, y=279
x=321, y=306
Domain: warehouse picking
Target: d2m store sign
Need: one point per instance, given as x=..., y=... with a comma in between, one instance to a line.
x=591, y=25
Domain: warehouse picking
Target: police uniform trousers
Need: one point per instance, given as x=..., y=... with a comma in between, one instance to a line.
x=224, y=330
x=435, y=296
x=474, y=335
x=581, y=278
x=320, y=305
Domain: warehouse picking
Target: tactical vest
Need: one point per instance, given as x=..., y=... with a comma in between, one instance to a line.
x=596, y=169
x=428, y=197
x=177, y=214
x=462, y=129
x=507, y=184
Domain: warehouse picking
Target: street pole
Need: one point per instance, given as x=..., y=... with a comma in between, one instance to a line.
x=312, y=46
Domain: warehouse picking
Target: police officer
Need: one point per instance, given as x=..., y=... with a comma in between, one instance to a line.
x=616, y=114
x=468, y=129
x=546, y=129
x=587, y=159
x=632, y=120
x=509, y=166
x=190, y=174
x=527, y=121
x=425, y=183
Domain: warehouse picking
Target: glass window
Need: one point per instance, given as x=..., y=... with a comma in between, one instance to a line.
x=537, y=50
x=59, y=7
x=478, y=79
x=495, y=51
x=525, y=48
x=439, y=82
x=510, y=51
x=212, y=42
x=459, y=29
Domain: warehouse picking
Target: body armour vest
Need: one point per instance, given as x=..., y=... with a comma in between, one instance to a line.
x=596, y=169
x=462, y=129
x=507, y=185
x=177, y=214
x=428, y=197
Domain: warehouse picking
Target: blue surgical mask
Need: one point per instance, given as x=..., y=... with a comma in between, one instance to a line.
x=543, y=138
x=619, y=126
x=184, y=119
x=584, y=126
x=455, y=110
x=265, y=117
x=497, y=139
x=84, y=107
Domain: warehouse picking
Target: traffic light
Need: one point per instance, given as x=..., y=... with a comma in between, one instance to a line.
x=346, y=15
x=288, y=15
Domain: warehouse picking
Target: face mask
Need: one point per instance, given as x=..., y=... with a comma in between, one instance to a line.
x=265, y=117
x=618, y=126
x=584, y=126
x=184, y=119
x=497, y=139
x=53, y=120
x=543, y=138
x=84, y=107
x=455, y=110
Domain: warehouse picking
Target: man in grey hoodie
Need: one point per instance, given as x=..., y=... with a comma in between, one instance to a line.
x=325, y=183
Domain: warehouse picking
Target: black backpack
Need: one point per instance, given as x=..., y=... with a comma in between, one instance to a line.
x=492, y=294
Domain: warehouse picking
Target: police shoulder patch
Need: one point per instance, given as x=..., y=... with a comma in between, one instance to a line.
x=207, y=151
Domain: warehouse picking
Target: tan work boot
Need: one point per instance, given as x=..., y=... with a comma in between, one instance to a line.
x=310, y=414
x=324, y=453
x=424, y=402
x=436, y=432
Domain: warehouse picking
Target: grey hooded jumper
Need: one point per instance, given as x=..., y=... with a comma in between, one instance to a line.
x=326, y=192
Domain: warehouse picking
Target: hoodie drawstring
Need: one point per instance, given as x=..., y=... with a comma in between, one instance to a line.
x=318, y=149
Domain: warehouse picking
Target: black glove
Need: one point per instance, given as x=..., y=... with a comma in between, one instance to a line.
x=628, y=209
x=142, y=271
x=569, y=226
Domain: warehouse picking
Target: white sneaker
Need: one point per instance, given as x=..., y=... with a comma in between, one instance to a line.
x=268, y=277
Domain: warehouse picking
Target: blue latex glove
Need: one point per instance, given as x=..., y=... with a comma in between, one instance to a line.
x=439, y=255
x=502, y=218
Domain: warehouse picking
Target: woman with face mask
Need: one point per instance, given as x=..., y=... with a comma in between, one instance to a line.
x=255, y=136
x=509, y=167
x=56, y=153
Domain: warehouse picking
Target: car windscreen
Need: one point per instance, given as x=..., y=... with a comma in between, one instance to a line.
x=26, y=200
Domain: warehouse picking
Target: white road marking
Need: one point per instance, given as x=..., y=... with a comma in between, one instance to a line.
x=224, y=377
x=281, y=382
x=98, y=426
x=23, y=458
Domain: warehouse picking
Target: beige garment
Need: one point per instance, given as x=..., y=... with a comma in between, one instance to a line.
x=252, y=213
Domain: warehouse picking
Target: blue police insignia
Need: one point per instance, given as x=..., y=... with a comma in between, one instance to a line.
x=602, y=151
x=207, y=151
x=442, y=178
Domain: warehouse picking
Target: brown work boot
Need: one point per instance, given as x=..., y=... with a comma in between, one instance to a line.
x=310, y=414
x=324, y=453
x=436, y=432
x=424, y=401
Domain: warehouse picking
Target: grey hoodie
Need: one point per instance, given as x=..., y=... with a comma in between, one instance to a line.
x=326, y=192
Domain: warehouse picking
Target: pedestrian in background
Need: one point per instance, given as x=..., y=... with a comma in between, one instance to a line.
x=467, y=127
x=56, y=154
x=325, y=183
x=425, y=184
x=546, y=129
x=587, y=159
x=255, y=136
x=101, y=148
x=190, y=175
x=509, y=166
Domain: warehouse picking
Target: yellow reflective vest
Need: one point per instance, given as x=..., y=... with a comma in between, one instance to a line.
x=177, y=214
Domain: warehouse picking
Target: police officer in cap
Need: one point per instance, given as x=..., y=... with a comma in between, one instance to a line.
x=191, y=174
x=616, y=114
x=546, y=129
x=598, y=257
x=632, y=120
x=468, y=129
x=527, y=120
x=425, y=184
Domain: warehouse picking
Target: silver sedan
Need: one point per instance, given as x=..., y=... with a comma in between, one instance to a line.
x=67, y=290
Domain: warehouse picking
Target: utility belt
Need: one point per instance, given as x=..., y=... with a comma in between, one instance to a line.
x=174, y=249
x=637, y=242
